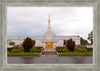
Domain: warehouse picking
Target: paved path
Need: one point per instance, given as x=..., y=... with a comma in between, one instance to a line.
x=50, y=59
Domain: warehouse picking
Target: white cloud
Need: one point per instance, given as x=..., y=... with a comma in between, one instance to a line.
x=64, y=20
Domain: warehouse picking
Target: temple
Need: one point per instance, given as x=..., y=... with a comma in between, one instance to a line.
x=48, y=40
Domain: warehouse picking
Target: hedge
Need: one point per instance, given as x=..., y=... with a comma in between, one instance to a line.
x=23, y=54
x=9, y=49
x=76, y=54
x=89, y=49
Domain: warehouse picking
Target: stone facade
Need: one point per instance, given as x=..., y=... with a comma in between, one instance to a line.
x=41, y=40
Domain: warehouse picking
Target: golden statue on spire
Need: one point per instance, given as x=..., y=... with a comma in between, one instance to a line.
x=49, y=16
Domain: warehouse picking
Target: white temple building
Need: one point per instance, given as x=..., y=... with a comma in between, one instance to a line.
x=47, y=40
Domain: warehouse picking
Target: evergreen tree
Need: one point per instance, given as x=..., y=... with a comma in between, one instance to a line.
x=83, y=41
x=90, y=37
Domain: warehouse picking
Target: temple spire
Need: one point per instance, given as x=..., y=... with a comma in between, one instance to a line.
x=49, y=31
x=49, y=16
x=49, y=27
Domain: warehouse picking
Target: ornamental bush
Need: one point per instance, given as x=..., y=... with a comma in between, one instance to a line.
x=70, y=44
x=27, y=44
x=33, y=50
x=89, y=49
x=17, y=46
x=65, y=50
x=36, y=49
x=62, y=49
x=76, y=54
x=23, y=54
x=17, y=50
x=80, y=48
x=9, y=49
x=12, y=43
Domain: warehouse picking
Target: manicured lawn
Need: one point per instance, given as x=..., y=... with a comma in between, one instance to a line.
x=76, y=54
x=23, y=54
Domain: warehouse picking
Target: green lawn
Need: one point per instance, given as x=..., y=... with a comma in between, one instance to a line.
x=23, y=54
x=20, y=52
x=76, y=54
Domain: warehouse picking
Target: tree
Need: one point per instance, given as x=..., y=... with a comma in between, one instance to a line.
x=12, y=43
x=70, y=44
x=64, y=42
x=33, y=42
x=90, y=37
x=27, y=44
x=83, y=41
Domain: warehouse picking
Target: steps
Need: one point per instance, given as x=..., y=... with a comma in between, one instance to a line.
x=49, y=49
x=49, y=53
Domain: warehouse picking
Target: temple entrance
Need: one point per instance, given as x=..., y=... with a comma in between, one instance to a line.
x=49, y=46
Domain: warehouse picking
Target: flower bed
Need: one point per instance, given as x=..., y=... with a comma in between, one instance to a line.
x=62, y=49
x=36, y=49
x=80, y=50
x=18, y=50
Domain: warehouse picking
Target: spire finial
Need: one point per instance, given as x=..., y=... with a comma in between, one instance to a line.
x=49, y=28
x=49, y=16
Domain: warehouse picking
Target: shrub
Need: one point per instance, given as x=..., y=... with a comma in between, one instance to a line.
x=27, y=44
x=16, y=51
x=34, y=49
x=70, y=44
x=9, y=49
x=17, y=46
x=39, y=48
x=65, y=50
x=62, y=49
x=76, y=54
x=23, y=54
x=80, y=48
x=12, y=43
x=22, y=49
x=59, y=48
x=89, y=49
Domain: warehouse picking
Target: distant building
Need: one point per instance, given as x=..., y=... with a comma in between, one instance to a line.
x=48, y=40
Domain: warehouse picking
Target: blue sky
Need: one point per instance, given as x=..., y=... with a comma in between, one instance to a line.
x=65, y=21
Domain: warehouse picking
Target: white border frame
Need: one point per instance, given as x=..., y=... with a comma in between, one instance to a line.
x=3, y=25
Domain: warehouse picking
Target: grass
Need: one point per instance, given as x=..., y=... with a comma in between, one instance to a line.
x=89, y=49
x=76, y=54
x=23, y=54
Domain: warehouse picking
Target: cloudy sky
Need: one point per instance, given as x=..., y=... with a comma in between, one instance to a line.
x=65, y=21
